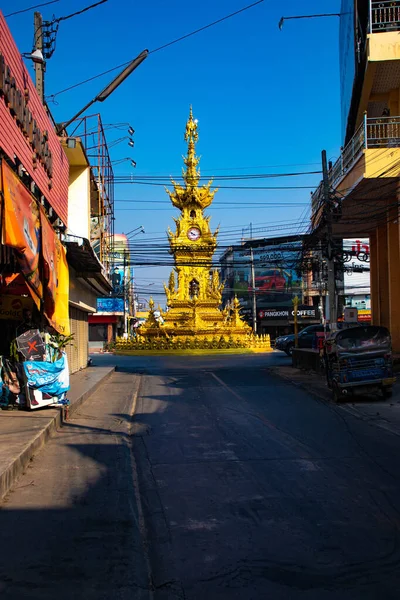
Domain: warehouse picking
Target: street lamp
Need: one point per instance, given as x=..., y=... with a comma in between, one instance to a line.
x=36, y=56
x=121, y=139
x=120, y=160
x=139, y=229
x=283, y=19
x=108, y=90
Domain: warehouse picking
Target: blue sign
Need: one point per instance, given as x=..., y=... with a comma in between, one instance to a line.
x=110, y=305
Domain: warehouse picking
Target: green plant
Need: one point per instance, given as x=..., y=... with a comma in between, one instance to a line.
x=14, y=351
x=59, y=342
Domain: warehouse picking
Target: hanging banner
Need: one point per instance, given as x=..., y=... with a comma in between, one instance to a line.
x=13, y=284
x=60, y=318
x=21, y=229
x=12, y=307
x=49, y=264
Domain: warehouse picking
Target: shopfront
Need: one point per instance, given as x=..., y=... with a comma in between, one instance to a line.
x=273, y=264
x=34, y=275
x=107, y=324
x=280, y=320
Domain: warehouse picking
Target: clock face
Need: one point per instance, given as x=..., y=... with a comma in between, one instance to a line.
x=193, y=234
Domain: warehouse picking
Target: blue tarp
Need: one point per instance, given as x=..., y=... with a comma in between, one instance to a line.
x=48, y=377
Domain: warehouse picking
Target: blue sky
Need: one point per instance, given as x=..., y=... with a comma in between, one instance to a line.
x=267, y=100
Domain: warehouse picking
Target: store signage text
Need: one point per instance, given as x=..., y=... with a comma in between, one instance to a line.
x=17, y=102
x=286, y=313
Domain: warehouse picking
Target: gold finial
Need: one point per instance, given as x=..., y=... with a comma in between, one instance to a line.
x=191, y=192
x=192, y=174
x=151, y=304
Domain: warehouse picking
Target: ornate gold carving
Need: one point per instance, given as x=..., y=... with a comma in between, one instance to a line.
x=194, y=319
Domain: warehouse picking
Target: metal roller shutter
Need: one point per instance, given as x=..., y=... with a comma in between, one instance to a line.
x=72, y=348
x=83, y=335
x=78, y=351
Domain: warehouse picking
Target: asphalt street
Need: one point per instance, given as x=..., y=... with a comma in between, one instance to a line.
x=207, y=478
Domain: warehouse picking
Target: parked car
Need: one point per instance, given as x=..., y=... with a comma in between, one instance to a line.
x=273, y=279
x=306, y=339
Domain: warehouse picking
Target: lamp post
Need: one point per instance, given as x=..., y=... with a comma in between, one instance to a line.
x=295, y=310
x=108, y=90
x=253, y=292
x=283, y=19
x=131, y=234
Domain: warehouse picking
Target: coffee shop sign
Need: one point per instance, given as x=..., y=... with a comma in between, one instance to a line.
x=285, y=313
x=17, y=102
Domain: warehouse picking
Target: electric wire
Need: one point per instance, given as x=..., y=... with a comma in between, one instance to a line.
x=18, y=12
x=175, y=41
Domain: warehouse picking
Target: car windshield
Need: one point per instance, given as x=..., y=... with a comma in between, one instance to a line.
x=364, y=338
x=268, y=273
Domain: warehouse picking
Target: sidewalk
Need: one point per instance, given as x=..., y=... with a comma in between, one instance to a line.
x=23, y=433
x=373, y=409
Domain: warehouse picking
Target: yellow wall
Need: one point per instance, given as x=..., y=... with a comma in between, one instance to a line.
x=384, y=46
x=382, y=162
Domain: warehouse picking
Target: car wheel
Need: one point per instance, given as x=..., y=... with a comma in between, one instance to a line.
x=337, y=394
x=387, y=392
x=289, y=350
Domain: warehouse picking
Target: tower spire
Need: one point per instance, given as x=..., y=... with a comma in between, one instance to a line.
x=192, y=174
x=191, y=193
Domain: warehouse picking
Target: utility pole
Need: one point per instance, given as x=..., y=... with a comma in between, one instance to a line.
x=321, y=287
x=330, y=245
x=39, y=67
x=124, y=291
x=253, y=291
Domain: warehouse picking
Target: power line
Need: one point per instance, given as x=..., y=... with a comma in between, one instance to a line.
x=79, y=12
x=184, y=37
x=175, y=41
x=223, y=187
x=167, y=179
x=215, y=203
x=18, y=12
x=246, y=207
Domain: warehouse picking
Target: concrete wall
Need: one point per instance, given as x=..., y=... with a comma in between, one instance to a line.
x=81, y=295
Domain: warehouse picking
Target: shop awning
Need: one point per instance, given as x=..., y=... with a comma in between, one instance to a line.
x=82, y=257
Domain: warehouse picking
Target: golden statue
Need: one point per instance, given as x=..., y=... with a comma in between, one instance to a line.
x=194, y=305
x=194, y=318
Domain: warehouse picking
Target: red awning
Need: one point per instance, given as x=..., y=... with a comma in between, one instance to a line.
x=102, y=318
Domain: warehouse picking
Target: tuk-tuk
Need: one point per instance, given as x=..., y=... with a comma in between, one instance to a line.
x=359, y=360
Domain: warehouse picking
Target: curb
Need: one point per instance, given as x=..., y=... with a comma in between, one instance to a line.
x=14, y=470
x=72, y=408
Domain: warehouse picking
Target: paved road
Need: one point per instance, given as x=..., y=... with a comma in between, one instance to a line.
x=250, y=488
x=70, y=528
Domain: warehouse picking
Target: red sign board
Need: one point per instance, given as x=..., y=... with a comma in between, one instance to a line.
x=26, y=131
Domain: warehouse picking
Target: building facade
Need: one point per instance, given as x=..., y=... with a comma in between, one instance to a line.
x=357, y=284
x=364, y=181
x=34, y=202
x=51, y=274
x=114, y=312
x=275, y=265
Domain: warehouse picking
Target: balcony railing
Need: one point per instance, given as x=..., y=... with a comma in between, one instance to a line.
x=384, y=16
x=383, y=132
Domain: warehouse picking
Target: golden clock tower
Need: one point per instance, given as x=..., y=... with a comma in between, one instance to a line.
x=194, y=291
